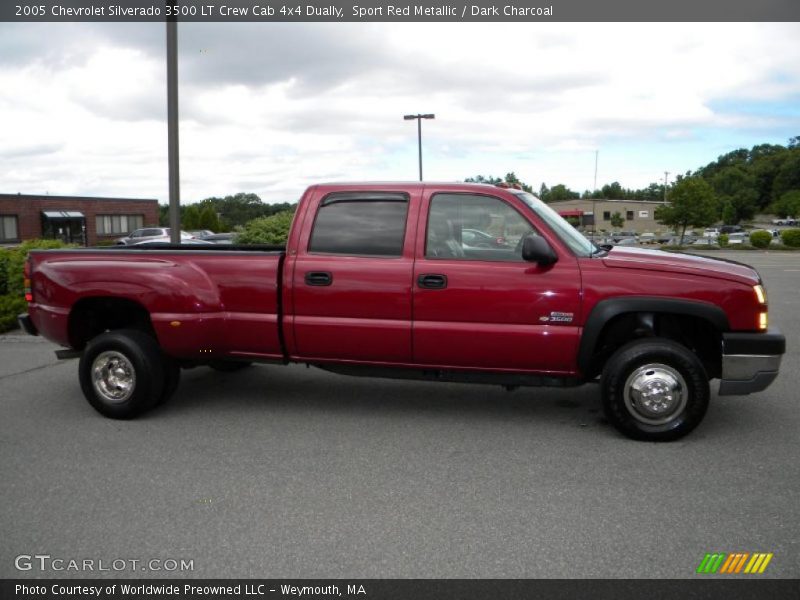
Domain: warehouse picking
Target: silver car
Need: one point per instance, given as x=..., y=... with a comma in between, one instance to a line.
x=149, y=233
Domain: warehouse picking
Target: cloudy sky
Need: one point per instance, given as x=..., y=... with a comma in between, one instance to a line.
x=270, y=108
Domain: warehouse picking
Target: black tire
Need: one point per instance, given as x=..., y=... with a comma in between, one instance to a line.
x=139, y=361
x=676, y=380
x=172, y=378
x=229, y=366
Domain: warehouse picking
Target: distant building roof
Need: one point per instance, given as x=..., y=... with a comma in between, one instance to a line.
x=70, y=198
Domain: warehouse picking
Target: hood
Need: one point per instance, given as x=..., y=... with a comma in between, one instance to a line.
x=627, y=257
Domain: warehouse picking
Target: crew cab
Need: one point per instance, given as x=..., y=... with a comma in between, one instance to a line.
x=376, y=280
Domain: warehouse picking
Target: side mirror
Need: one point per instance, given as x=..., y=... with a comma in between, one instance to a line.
x=536, y=249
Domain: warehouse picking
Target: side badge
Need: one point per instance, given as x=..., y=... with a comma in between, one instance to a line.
x=557, y=317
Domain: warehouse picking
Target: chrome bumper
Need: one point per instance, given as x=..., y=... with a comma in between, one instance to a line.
x=753, y=371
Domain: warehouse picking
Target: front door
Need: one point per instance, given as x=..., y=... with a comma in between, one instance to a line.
x=477, y=304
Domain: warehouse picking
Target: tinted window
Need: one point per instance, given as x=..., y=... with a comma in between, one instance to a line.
x=360, y=225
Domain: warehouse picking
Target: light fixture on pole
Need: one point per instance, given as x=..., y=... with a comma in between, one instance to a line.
x=419, y=118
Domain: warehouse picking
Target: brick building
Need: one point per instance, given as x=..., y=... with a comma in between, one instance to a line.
x=638, y=215
x=74, y=219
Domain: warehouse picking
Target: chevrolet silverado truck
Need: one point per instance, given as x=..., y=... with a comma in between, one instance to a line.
x=376, y=280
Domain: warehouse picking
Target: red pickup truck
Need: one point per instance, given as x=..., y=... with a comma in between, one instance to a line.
x=379, y=280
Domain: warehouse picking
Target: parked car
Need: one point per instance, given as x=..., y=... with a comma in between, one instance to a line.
x=737, y=238
x=167, y=240
x=480, y=239
x=220, y=238
x=647, y=238
x=711, y=232
x=731, y=229
x=201, y=233
x=620, y=235
x=372, y=282
x=785, y=221
x=147, y=233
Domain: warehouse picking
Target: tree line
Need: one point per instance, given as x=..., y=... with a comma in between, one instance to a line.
x=224, y=214
x=734, y=187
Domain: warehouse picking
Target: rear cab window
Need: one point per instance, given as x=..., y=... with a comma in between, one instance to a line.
x=360, y=224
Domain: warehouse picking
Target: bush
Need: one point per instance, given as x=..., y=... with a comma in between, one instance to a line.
x=10, y=307
x=5, y=256
x=722, y=240
x=12, y=263
x=760, y=239
x=791, y=237
x=266, y=230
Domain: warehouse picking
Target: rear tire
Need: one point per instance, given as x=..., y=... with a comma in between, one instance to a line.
x=122, y=373
x=172, y=378
x=654, y=390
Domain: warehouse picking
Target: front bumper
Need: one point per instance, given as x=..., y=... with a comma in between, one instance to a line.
x=750, y=361
x=27, y=325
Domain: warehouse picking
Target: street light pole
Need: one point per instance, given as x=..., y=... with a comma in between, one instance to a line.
x=419, y=118
x=172, y=133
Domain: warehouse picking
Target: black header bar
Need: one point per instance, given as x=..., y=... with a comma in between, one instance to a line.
x=400, y=10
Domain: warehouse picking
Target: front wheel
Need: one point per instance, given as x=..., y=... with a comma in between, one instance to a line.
x=121, y=373
x=654, y=389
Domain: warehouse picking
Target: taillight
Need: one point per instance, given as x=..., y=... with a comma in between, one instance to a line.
x=26, y=282
x=761, y=298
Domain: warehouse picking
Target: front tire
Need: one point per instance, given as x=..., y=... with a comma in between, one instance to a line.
x=121, y=373
x=655, y=390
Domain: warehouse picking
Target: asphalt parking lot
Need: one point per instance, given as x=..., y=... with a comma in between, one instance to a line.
x=294, y=472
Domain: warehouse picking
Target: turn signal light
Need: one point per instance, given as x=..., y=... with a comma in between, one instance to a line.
x=762, y=320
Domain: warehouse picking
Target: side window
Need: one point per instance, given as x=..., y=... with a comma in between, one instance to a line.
x=360, y=225
x=469, y=227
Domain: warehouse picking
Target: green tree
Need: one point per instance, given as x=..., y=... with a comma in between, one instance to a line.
x=190, y=217
x=208, y=219
x=788, y=176
x=691, y=202
x=267, y=230
x=728, y=213
x=617, y=221
x=787, y=205
x=561, y=192
x=510, y=178
x=613, y=191
x=544, y=193
x=737, y=187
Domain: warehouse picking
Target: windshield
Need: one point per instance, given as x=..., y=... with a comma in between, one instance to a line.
x=566, y=232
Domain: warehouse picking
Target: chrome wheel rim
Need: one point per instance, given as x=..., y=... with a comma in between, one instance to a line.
x=655, y=393
x=113, y=377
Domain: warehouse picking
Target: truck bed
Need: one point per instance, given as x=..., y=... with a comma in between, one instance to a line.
x=214, y=302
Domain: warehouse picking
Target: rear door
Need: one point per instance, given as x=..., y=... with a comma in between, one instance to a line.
x=484, y=307
x=351, y=278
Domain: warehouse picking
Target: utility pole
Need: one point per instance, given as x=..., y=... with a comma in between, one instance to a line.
x=594, y=199
x=172, y=132
x=666, y=175
x=419, y=118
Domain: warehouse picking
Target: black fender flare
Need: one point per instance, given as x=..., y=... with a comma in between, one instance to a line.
x=605, y=310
